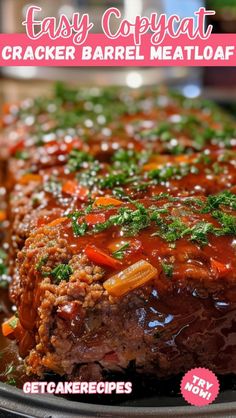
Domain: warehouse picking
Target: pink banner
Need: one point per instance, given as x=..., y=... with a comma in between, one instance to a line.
x=98, y=50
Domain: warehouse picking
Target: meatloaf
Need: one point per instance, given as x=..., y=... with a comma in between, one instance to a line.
x=150, y=281
x=40, y=198
x=123, y=233
x=41, y=133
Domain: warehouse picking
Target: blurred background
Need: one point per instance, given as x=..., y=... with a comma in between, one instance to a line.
x=213, y=82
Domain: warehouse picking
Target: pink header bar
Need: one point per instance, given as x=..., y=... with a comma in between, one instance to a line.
x=98, y=50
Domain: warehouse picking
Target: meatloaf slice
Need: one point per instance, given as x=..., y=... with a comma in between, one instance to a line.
x=150, y=282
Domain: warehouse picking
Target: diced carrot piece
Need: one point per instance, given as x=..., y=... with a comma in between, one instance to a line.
x=100, y=257
x=131, y=278
x=29, y=177
x=3, y=215
x=184, y=158
x=58, y=221
x=95, y=218
x=74, y=189
x=220, y=268
x=6, y=329
x=152, y=166
x=9, y=326
x=155, y=162
x=6, y=108
x=107, y=201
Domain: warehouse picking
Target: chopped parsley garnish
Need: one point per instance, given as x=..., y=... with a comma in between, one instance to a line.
x=200, y=231
x=9, y=374
x=61, y=272
x=225, y=198
x=119, y=193
x=85, y=111
x=227, y=221
x=168, y=226
x=89, y=176
x=177, y=229
x=22, y=155
x=120, y=253
x=10, y=368
x=11, y=381
x=77, y=159
x=172, y=231
x=3, y=267
x=196, y=128
x=172, y=171
x=128, y=157
x=79, y=229
x=168, y=269
x=113, y=180
x=52, y=186
x=163, y=130
x=14, y=322
x=4, y=278
x=4, y=282
x=203, y=158
x=125, y=156
x=42, y=261
x=131, y=221
x=217, y=169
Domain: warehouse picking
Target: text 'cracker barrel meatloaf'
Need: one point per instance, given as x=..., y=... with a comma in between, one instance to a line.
x=123, y=233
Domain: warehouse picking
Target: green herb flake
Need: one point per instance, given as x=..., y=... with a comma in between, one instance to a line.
x=120, y=252
x=172, y=172
x=217, y=169
x=77, y=159
x=225, y=198
x=168, y=269
x=227, y=221
x=11, y=381
x=3, y=267
x=61, y=272
x=200, y=231
x=42, y=261
x=52, y=186
x=9, y=369
x=22, y=155
x=14, y=322
x=79, y=229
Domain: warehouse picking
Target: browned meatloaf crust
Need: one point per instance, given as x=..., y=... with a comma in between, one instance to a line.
x=122, y=208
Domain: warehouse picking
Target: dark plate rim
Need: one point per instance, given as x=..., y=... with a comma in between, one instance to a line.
x=14, y=400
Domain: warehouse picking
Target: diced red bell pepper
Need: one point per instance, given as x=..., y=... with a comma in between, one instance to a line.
x=95, y=218
x=221, y=269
